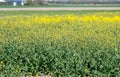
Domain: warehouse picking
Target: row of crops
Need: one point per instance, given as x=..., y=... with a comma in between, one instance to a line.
x=60, y=45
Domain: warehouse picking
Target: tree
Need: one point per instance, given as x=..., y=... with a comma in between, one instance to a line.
x=35, y=2
x=38, y=2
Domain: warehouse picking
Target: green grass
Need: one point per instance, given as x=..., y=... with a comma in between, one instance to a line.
x=28, y=13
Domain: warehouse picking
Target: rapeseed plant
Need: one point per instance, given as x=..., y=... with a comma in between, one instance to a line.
x=63, y=45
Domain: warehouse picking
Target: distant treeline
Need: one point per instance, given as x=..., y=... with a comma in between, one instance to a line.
x=84, y=1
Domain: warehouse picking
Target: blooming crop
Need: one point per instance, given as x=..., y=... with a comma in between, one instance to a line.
x=69, y=29
x=62, y=45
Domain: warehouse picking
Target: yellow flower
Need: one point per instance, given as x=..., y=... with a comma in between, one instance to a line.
x=37, y=75
x=16, y=71
x=113, y=45
x=1, y=62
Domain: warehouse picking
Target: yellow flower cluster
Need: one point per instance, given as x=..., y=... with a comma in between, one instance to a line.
x=63, y=29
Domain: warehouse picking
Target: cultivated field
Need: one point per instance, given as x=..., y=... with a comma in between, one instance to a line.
x=61, y=45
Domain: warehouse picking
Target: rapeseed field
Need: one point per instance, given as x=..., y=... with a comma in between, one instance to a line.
x=60, y=45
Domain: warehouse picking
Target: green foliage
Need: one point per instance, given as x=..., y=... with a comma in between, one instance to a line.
x=59, y=60
x=63, y=48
